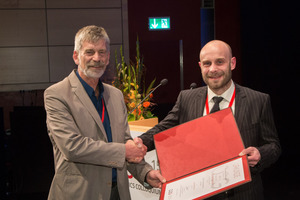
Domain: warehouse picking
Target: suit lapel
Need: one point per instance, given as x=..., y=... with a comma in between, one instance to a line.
x=199, y=101
x=240, y=105
x=110, y=110
x=83, y=97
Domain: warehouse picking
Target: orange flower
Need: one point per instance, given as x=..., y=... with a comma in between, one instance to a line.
x=134, y=112
x=146, y=104
x=151, y=96
x=132, y=105
x=131, y=94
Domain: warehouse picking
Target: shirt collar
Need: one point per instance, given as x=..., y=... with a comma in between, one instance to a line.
x=226, y=95
x=90, y=91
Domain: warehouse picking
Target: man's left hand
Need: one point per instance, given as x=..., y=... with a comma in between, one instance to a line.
x=155, y=179
x=253, y=155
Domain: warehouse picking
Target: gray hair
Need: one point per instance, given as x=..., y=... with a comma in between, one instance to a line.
x=91, y=34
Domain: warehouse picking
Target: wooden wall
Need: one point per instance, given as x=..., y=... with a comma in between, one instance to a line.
x=37, y=36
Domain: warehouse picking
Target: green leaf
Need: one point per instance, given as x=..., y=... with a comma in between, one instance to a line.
x=150, y=87
x=131, y=117
x=148, y=115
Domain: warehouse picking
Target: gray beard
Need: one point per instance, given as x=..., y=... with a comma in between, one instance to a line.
x=91, y=74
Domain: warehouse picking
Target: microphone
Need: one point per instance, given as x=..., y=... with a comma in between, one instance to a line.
x=162, y=82
x=193, y=86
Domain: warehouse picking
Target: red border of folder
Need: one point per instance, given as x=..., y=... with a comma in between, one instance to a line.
x=178, y=154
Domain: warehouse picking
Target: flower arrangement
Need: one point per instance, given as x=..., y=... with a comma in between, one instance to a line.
x=129, y=79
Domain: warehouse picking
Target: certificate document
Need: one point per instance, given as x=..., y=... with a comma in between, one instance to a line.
x=200, y=158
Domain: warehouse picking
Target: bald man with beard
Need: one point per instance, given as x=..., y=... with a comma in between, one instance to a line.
x=252, y=111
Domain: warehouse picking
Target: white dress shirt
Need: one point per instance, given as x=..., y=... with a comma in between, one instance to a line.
x=227, y=95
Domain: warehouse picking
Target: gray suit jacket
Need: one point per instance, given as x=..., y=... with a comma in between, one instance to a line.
x=253, y=114
x=83, y=157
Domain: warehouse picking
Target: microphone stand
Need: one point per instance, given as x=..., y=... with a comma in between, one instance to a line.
x=163, y=82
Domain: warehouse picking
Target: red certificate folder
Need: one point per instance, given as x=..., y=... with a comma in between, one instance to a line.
x=200, y=158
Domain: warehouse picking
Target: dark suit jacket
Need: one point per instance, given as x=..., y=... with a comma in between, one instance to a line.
x=253, y=114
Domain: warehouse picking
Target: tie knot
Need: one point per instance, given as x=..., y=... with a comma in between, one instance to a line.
x=217, y=100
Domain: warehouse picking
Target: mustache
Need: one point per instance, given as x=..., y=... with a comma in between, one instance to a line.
x=96, y=64
x=215, y=74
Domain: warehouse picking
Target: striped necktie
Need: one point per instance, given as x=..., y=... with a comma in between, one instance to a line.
x=216, y=106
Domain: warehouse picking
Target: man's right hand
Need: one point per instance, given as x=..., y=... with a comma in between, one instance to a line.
x=135, y=151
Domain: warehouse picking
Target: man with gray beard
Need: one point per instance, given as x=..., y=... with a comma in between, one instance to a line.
x=87, y=125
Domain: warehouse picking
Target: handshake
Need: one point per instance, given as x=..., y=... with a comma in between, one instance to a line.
x=135, y=150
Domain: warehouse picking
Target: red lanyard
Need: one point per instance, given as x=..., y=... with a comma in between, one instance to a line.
x=230, y=103
x=103, y=111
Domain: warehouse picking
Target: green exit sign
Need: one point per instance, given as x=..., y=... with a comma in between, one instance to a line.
x=159, y=23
